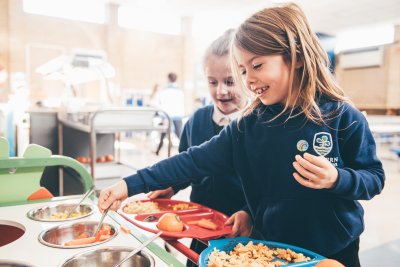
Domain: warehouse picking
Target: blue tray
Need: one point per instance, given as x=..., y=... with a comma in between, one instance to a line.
x=229, y=244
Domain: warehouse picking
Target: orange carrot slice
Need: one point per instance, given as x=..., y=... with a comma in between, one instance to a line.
x=81, y=241
x=207, y=224
x=125, y=230
x=104, y=237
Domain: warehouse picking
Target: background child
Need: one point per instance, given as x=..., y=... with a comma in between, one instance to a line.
x=220, y=193
x=304, y=154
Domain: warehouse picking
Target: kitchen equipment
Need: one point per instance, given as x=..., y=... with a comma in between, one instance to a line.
x=108, y=257
x=138, y=249
x=58, y=235
x=10, y=231
x=45, y=213
x=101, y=220
x=229, y=244
x=81, y=201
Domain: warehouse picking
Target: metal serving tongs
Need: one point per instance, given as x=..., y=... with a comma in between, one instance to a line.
x=70, y=210
x=138, y=249
x=101, y=220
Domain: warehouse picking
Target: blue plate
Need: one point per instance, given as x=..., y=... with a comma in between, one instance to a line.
x=229, y=244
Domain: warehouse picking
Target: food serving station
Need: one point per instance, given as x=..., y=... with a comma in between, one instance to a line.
x=28, y=249
x=37, y=229
x=34, y=232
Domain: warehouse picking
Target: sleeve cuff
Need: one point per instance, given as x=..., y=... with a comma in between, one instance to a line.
x=135, y=185
x=343, y=182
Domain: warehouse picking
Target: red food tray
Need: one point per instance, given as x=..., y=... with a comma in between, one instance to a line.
x=192, y=214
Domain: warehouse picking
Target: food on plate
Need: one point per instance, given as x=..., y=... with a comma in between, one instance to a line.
x=254, y=255
x=84, y=239
x=205, y=223
x=182, y=206
x=65, y=215
x=139, y=207
x=329, y=263
x=170, y=222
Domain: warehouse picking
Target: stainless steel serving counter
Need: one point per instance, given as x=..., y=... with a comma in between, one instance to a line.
x=28, y=248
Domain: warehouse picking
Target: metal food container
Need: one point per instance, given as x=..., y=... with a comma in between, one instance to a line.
x=45, y=213
x=10, y=231
x=109, y=257
x=58, y=235
x=12, y=263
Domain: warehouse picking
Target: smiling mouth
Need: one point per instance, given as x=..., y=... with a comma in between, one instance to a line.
x=224, y=100
x=261, y=90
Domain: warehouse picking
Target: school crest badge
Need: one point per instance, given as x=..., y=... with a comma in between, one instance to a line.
x=322, y=143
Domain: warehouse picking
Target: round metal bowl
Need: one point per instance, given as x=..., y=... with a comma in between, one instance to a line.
x=108, y=257
x=45, y=213
x=12, y=263
x=58, y=235
x=10, y=231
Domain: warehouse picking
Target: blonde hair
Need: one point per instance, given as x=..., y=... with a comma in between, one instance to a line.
x=219, y=47
x=285, y=30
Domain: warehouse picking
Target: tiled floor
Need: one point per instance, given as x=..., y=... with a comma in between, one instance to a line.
x=380, y=243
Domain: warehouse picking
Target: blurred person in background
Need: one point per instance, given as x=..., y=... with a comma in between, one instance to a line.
x=171, y=100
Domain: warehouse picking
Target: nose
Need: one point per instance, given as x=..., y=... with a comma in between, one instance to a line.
x=250, y=81
x=222, y=89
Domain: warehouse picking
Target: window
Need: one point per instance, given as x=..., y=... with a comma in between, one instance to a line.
x=149, y=19
x=82, y=10
x=365, y=37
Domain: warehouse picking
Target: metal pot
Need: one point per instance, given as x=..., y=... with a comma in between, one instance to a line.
x=57, y=236
x=109, y=257
x=10, y=231
x=45, y=213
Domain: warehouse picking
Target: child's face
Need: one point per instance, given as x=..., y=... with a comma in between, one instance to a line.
x=227, y=97
x=266, y=76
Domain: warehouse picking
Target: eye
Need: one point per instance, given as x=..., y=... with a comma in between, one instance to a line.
x=229, y=82
x=213, y=82
x=257, y=66
x=243, y=72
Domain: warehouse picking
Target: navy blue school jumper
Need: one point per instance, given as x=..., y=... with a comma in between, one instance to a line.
x=261, y=153
x=222, y=193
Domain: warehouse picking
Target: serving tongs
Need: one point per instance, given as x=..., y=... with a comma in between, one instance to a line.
x=101, y=220
x=139, y=248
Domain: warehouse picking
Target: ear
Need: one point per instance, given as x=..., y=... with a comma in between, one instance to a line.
x=299, y=63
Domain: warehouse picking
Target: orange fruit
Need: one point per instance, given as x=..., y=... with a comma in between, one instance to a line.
x=329, y=263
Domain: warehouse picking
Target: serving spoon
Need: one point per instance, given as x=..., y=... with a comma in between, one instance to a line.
x=70, y=210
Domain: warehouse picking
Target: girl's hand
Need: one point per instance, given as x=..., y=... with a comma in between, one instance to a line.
x=166, y=193
x=242, y=224
x=114, y=194
x=315, y=172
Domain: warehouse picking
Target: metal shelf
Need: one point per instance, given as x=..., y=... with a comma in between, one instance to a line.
x=111, y=120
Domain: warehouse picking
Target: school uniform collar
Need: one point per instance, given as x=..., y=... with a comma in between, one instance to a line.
x=222, y=119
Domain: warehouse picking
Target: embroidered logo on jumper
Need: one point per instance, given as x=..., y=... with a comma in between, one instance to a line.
x=322, y=143
x=302, y=145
